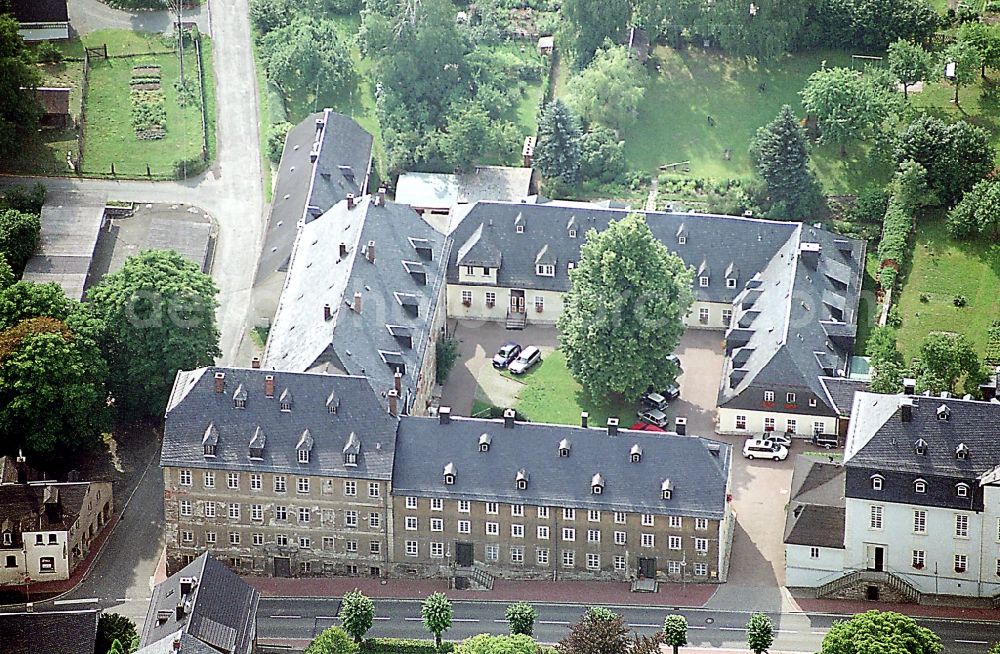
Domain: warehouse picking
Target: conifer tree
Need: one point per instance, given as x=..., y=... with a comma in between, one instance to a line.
x=779, y=155
x=557, y=152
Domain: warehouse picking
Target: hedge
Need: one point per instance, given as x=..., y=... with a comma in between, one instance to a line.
x=992, y=357
x=404, y=646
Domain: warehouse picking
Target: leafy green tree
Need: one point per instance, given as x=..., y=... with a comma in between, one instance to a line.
x=588, y=23
x=19, y=110
x=968, y=62
x=18, y=237
x=7, y=277
x=269, y=15
x=521, y=618
x=602, y=156
x=764, y=33
x=437, y=613
x=978, y=212
x=886, y=360
x=116, y=648
x=847, y=104
x=469, y=135
x=624, y=314
x=557, y=151
x=955, y=155
x=26, y=199
x=760, y=633
x=675, y=631
x=883, y=631
x=159, y=310
x=986, y=40
x=910, y=63
x=112, y=627
x=306, y=55
x=779, y=154
x=945, y=359
x=357, y=614
x=487, y=644
x=23, y=300
x=276, y=135
x=599, y=631
x=667, y=19
x=333, y=640
x=608, y=91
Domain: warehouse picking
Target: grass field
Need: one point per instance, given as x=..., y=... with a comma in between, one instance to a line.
x=109, y=136
x=550, y=394
x=942, y=268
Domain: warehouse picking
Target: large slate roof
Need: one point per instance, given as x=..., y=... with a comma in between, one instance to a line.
x=40, y=11
x=879, y=439
x=342, y=163
x=23, y=505
x=194, y=406
x=816, y=504
x=220, y=610
x=408, y=269
x=697, y=468
x=51, y=632
x=840, y=392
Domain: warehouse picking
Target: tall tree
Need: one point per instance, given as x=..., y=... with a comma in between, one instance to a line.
x=944, y=360
x=436, y=613
x=883, y=631
x=357, y=614
x=885, y=359
x=19, y=110
x=985, y=39
x=557, y=151
x=488, y=644
x=760, y=633
x=978, y=212
x=675, y=631
x=469, y=135
x=306, y=55
x=763, y=29
x=965, y=60
x=112, y=627
x=847, y=104
x=588, y=23
x=667, y=19
x=521, y=618
x=608, y=91
x=602, y=156
x=24, y=300
x=779, y=154
x=599, y=631
x=18, y=237
x=624, y=314
x=910, y=63
x=159, y=310
x=333, y=640
x=955, y=155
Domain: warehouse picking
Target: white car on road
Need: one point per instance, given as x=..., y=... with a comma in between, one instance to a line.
x=759, y=448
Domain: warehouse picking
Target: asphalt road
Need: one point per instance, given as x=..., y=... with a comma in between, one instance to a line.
x=290, y=620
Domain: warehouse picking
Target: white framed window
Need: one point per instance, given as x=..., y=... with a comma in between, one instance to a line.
x=593, y=535
x=791, y=426
x=620, y=538
x=351, y=546
x=875, y=517
x=234, y=538
x=302, y=485
x=470, y=270
x=520, y=230
x=437, y=550
x=328, y=542
x=768, y=424
x=727, y=317
x=464, y=527
x=305, y=567
x=620, y=562
x=545, y=270
x=789, y=398
x=593, y=561
x=517, y=531
x=209, y=479
x=492, y=508
x=918, y=559
x=703, y=281
x=920, y=486
x=878, y=482
x=211, y=538
x=233, y=480
x=463, y=506
x=374, y=520
x=542, y=532
x=649, y=540
x=411, y=502
x=730, y=282
x=492, y=552
x=593, y=516
x=569, y=514
x=437, y=524
x=234, y=511
x=410, y=523
x=517, y=510
x=812, y=401
x=700, y=569
x=350, y=488
x=813, y=552
x=437, y=504
x=256, y=512
x=961, y=563
x=467, y=298
x=568, y=558
x=374, y=489
x=674, y=567
x=187, y=537
x=256, y=481
x=542, y=555
x=543, y=513
x=492, y=528
x=517, y=554
x=962, y=490
x=701, y=545
x=411, y=548
x=741, y=422
x=185, y=478
x=620, y=517
x=350, y=518
x=676, y=522
x=375, y=547
x=209, y=509
x=539, y=303
x=280, y=513
x=919, y=521
x=674, y=542
x=491, y=299
x=304, y=515
x=703, y=315
x=305, y=542
x=569, y=534
x=279, y=483
x=961, y=525
x=647, y=520
x=769, y=396
x=281, y=539
x=303, y=453
x=819, y=428
x=701, y=524
x=186, y=509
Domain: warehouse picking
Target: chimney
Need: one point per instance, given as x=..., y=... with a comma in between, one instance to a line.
x=397, y=382
x=268, y=385
x=612, y=426
x=906, y=410
x=909, y=386
x=220, y=382
x=444, y=415
x=357, y=303
x=370, y=252
x=22, y=468
x=255, y=363
x=350, y=200
x=681, y=426
x=508, y=418
x=177, y=644
x=343, y=250
x=584, y=419
x=394, y=403
x=327, y=312
x=380, y=196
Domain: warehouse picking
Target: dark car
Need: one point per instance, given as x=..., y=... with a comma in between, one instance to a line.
x=656, y=400
x=654, y=417
x=507, y=353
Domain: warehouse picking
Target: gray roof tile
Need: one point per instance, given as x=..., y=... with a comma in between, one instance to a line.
x=51, y=632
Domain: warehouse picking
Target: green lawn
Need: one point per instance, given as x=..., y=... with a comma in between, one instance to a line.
x=943, y=268
x=550, y=394
x=693, y=85
x=109, y=136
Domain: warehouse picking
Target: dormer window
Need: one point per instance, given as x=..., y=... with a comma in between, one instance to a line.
x=8, y=538
x=545, y=270
x=449, y=474
x=564, y=448
x=351, y=450
x=240, y=397
x=877, y=482
x=210, y=440
x=285, y=400
x=257, y=443
x=521, y=479
x=730, y=282
x=519, y=224
x=635, y=454
x=597, y=484
x=519, y=229
x=920, y=486
x=962, y=451
x=666, y=489
x=790, y=398
x=304, y=446
x=943, y=412
x=920, y=447
x=571, y=265
x=484, y=442
x=962, y=490
x=703, y=281
x=332, y=403
x=681, y=240
x=209, y=450
x=303, y=456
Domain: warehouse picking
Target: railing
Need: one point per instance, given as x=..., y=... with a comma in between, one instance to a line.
x=890, y=580
x=483, y=578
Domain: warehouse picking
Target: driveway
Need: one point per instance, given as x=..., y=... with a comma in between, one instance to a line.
x=86, y=16
x=701, y=356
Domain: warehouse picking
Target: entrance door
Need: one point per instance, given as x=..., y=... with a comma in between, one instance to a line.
x=647, y=568
x=876, y=558
x=282, y=566
x=517, y=301
x=463, y=554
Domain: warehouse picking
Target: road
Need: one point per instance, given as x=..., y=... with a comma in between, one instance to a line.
x=291, y=620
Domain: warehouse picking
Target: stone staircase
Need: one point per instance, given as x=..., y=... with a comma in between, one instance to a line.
x=516, y=319
x=473, y=579
x=851, y=582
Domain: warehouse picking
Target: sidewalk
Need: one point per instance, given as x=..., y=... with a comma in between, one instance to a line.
x=809, y=605
x=591, y=592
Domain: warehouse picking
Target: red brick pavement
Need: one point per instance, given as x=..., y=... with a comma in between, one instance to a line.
x=592, y=592
x=915, y=610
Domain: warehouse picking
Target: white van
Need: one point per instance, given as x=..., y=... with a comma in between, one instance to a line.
x=760, y=448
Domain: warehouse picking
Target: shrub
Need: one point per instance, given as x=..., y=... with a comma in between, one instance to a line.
x=960, y=301
x=447, y=354
x=992, y=356
x=148, y=112
x=404, y=646
x=276, y=140
x=48, y=53
x=925, y=298
x=23, y=198
x=185, y=168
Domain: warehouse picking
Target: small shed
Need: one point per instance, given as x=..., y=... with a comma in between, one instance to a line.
x=55, y=106
x=545, y=45
x=638, y=44
x=528, y=151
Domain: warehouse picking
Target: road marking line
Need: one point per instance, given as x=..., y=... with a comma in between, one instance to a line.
x=648, y=626
x=328, y=617
x=818, y=633
x=732, y=628
x=465, y=619
x=378, y=617
x=500, y=621
x=552, y=622
x=413, y=619
x=785, y=631
x=971, y=642
x=287, y=617
x=88, y=600
x=697, y=626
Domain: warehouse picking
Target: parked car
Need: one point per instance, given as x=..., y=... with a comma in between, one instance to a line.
x=529, y=357
x=659, y=400
x=673, y=358
x=654, y=417
x=828, y=441
x=778, y=438
x=506, y=355
x=760, y=448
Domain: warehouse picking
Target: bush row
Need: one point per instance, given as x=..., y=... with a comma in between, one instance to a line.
x=404, y=646
x=992, y=356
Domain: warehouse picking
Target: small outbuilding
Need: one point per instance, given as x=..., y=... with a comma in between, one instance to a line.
x=41, y=20
x=545, y=45
x=55, y=106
